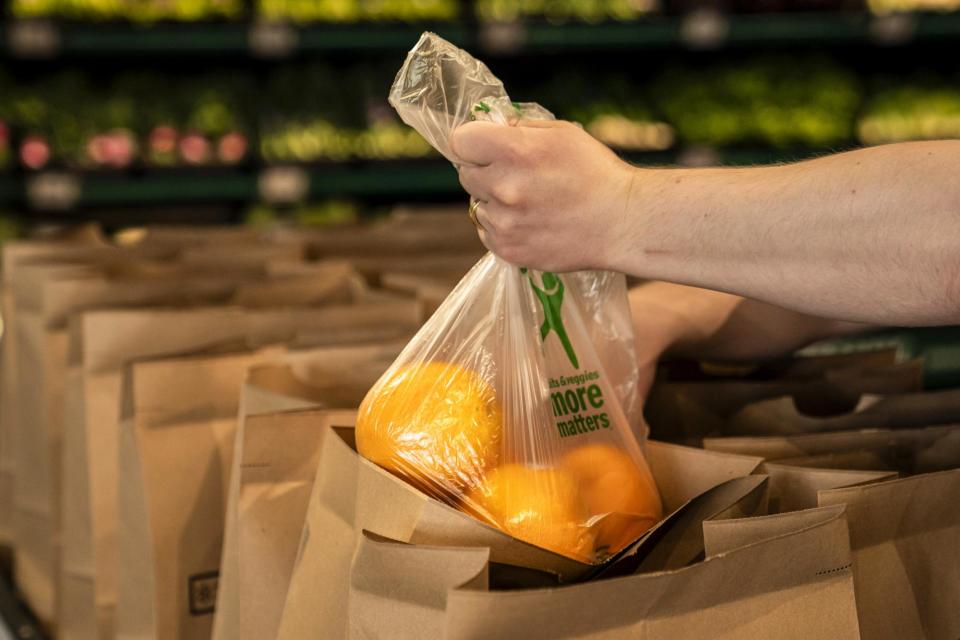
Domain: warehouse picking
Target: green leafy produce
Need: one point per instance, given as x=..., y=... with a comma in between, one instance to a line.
x=305, y=11
x=318, y=139
x=144, y=11
x=884, y=7
x=612, y=108
x=779, y=102
x=312, y=214
x=911, y=113
x=559, y=11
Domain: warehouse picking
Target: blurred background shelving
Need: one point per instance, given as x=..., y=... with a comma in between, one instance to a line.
x=146, y=108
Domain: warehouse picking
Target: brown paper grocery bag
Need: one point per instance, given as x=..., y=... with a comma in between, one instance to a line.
x=90, y=247
x=35, y=437
x=177, y=434
x=687, y=410
x=330, y=377
x=187, y=235
x=796, y=488
x=351, y=494
x=905, y=536
x=145, y=284
x=430, y=288
x=909, y=451
x=399, y=590
x=56, y=291
x=334, y=282
x=251, y=257
x=102, y=341
x=791, y=581
x=437, y=231
x=279, y=464
x=197, y=398
x=781, y=415
x=677, y=541
x=15, y=254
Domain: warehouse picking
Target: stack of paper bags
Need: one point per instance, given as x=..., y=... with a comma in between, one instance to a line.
x=853, y=430
x=904, y=532
x=64, y=351
x=688, y=404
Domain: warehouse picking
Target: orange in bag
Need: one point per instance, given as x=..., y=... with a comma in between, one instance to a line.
x=436, y=424
x=540, y=506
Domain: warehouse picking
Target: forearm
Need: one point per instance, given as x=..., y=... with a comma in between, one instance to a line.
x=704, y=324
x=868, y=236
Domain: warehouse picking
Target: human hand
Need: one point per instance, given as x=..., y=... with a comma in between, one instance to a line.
x=551, y=197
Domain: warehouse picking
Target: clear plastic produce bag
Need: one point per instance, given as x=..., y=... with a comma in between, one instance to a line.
x=516, y=402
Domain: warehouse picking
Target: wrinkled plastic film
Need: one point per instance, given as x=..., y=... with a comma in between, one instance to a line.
x=516, y=401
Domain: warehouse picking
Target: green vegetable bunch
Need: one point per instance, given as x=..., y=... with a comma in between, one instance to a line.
x=778, y=102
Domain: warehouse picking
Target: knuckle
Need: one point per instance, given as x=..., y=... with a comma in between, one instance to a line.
x=508, y=192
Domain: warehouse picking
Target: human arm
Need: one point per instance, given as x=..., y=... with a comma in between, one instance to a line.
x=870, y=235
x=678, y=320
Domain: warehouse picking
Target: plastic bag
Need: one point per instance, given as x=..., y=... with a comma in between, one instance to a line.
x=517, y=400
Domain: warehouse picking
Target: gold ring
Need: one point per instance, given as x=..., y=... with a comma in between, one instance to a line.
x=472, y=212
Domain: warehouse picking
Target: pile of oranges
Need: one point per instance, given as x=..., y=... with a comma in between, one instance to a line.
x=440, y=427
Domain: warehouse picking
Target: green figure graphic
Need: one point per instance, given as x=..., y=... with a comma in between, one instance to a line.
x=551, y=298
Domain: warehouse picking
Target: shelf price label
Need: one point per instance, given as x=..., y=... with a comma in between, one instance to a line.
x=502, y=37
x=704, y=29
x=272, y=40
x=33, y=39
x=283, y=185
x=53, y=191
x=698, y=157
x=893, y=30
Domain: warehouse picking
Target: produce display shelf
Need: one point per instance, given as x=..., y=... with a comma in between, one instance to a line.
x=51, y=39
x=65, y=190
x=715, y=31
x=698, y=30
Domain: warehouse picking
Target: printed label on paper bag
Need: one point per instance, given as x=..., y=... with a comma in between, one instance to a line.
x=203, y=593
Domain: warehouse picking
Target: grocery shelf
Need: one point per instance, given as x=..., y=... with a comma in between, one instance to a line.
x=66, y=190
x=698, y=30
x=50, y=39
x=708, y=30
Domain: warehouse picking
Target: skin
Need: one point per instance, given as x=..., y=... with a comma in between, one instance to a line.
x=678, y=320
x=867, y=236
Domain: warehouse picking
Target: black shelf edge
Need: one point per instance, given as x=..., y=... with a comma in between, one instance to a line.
x=654, y=32
x=66, y=190
x=58, y=40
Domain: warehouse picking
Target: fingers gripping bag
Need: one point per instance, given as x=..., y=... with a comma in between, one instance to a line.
x=516, y=402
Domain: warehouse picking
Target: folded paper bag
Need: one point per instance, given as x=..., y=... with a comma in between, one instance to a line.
x=101, y=342
x=785, y=576
x=331, y=378
x=905, y=536
x=351, y=494
x=909, y=451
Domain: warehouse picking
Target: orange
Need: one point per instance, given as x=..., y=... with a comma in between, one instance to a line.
x=436, y=424
x=539, y=506
x=621, y=498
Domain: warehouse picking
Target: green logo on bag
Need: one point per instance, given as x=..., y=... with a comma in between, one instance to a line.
x=551, y=299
